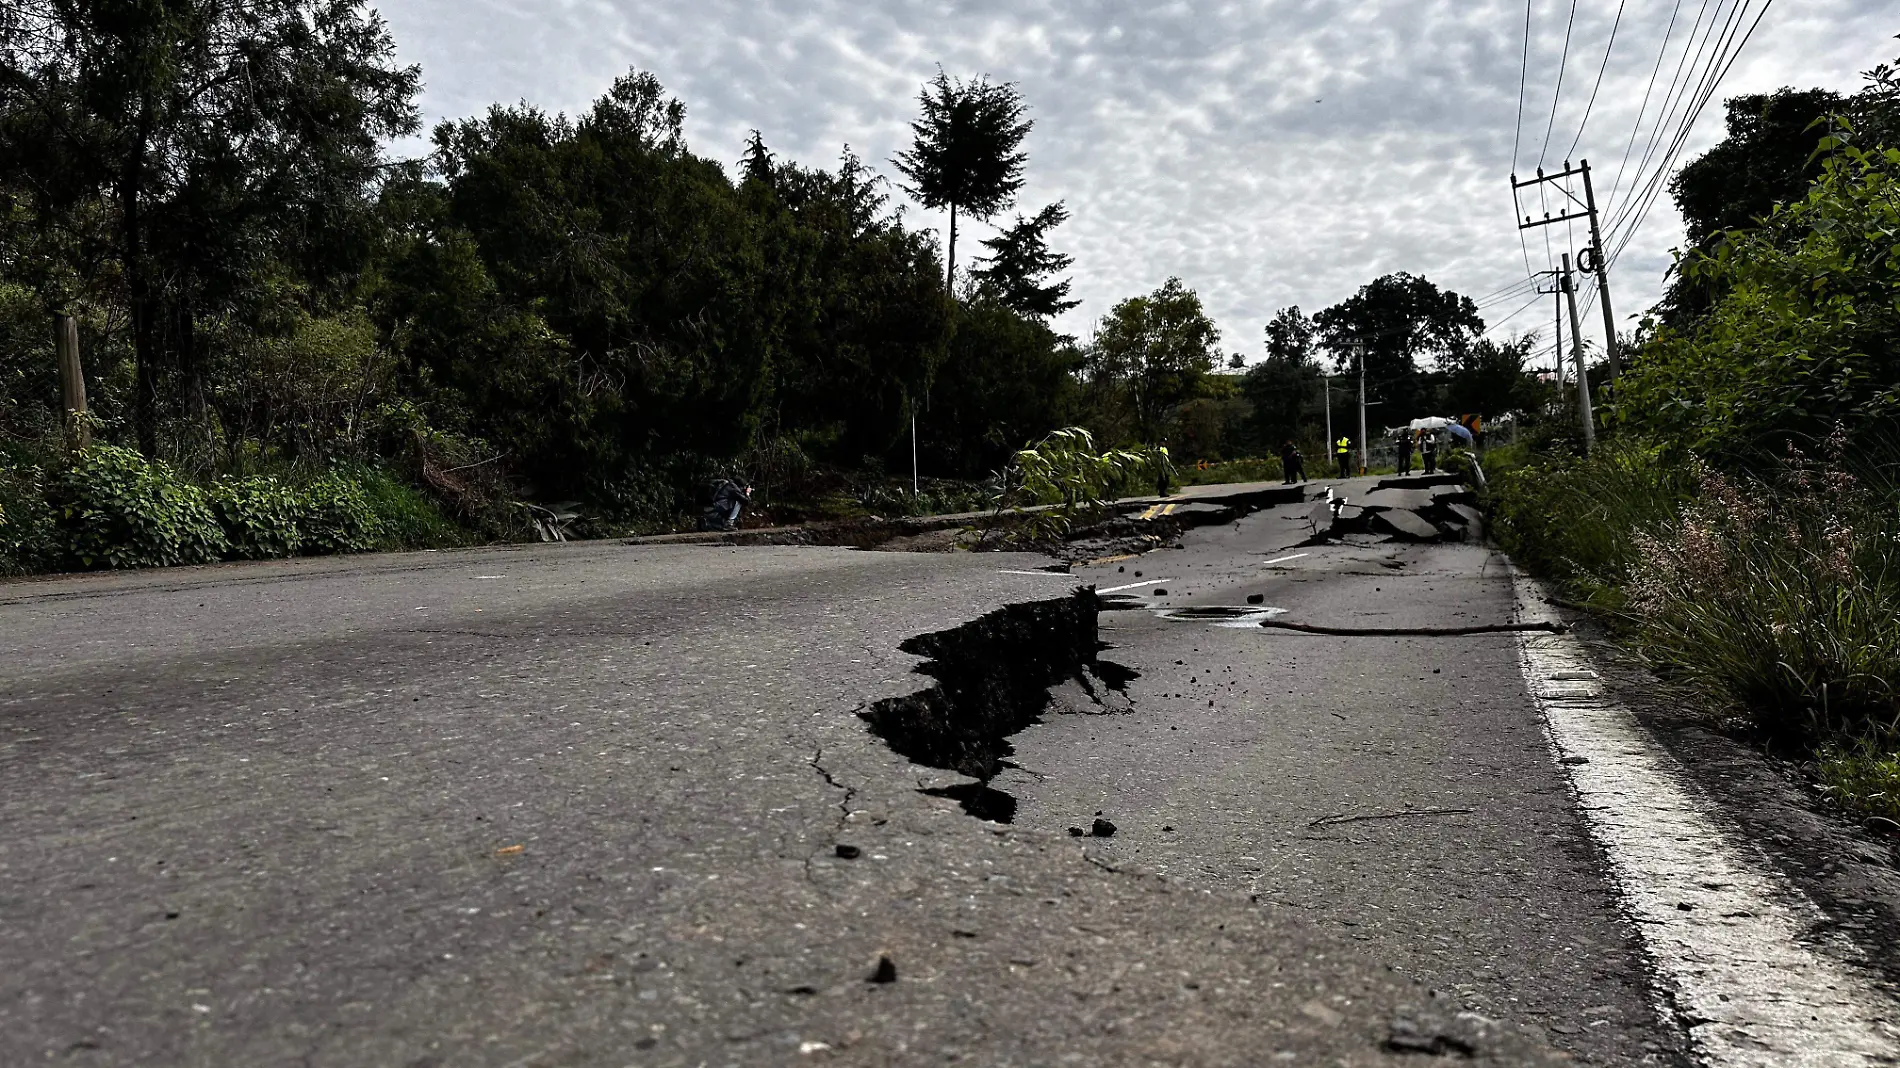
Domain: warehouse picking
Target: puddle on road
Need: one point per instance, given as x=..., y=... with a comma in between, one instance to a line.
x=1234, y=616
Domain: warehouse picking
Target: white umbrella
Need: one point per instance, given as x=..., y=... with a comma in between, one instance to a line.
x=1431, y=422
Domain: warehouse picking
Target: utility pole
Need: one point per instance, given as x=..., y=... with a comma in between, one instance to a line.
x=1583, y=376
x=1601, y=269
x=1592, y=260
x=72, y=381
x=1329, y=413
x=1359, y=356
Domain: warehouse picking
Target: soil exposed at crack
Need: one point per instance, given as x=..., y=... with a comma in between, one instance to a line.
x=993, y=678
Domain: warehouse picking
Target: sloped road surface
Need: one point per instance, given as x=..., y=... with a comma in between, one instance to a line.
x=627, y=805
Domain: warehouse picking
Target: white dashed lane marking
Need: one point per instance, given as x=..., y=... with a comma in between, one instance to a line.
x=1732, y=943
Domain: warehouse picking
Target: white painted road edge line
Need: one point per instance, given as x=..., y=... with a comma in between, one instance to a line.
x=1731, y=942
x=1132, y=585
x=1039, y=574
x=1284, y=559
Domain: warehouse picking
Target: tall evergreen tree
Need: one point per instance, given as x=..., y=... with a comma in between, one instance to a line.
x=966, y=151
x=1020, y=261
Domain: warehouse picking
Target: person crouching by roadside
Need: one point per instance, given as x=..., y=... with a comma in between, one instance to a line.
x=1292, y=464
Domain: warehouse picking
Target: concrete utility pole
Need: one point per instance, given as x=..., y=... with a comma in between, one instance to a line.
x=1592, y=259
x=1329, y=413
x=1583, y=375
x=1601, y=269
x=1359, y=355
x=72, y=381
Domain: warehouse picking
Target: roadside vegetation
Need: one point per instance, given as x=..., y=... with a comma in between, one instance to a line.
x=562, y=324
x=1740, y=522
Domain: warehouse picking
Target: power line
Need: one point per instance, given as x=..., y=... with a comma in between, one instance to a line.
x=1666, y=109
x=1714, y=79
x=1604, y=66
x=1558, y=92
x=1536, y=298
x=1644, y=109
x=1689, y=101
x=1523, y=73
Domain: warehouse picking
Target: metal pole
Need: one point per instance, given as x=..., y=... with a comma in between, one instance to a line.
x=1583, y=374
x=1603, y=277
x=1359, y=351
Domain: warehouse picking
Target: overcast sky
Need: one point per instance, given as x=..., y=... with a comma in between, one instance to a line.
x=1269, y=153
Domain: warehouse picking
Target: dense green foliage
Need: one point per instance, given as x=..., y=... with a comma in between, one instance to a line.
x=323, y=349
x=1740, y=520
x=1806, y=331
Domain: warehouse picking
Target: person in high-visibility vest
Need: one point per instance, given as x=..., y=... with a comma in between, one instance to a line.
x=1342, y=451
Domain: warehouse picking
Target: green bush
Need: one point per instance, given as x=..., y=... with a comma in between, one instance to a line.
x=405, y=517
x=1780, y=596
x=260, y=517
x=1574, y=521
x=334, y=515
x=1864, y=780
x=27, y=534
x=115, y=509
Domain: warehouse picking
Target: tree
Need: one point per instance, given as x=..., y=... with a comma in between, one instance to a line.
x=1804, y=332
x=1019, y=262
x=1290, y=335
x=216, y=136
x=1281, y=387
x=1489, y=378
x=1152, y=353
x=966, y=151
x=1398, y=319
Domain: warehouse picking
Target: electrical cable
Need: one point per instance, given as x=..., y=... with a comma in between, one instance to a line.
x=1604, y=66
x=1713, y=82
x=1666, y=110
x=1535, y=299
x=1558, y=92
x=1644, y=109
x=1691, y=103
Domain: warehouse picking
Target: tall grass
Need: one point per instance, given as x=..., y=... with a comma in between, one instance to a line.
x=1780, y=595
x=1575, y=522
x=1773, y=594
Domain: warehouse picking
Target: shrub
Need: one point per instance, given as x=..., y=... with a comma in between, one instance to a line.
x=334, y=515
x=1864, y=780
x=1574, y=521
x=116, y=509
x=28, y=538
x=405, y=517
x=259, y=515
x=1781, y=596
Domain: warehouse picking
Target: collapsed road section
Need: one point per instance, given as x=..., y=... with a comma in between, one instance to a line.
x=993, y=676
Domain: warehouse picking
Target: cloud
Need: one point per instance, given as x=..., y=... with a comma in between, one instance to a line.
x=1268, y=153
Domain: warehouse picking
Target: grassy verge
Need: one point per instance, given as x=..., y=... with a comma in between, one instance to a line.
x=1769, y=598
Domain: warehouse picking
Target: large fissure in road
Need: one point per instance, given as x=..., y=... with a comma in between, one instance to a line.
x=993, y=678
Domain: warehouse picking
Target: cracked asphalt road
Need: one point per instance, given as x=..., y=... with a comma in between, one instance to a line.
x=584, y=805
x=1397, y=791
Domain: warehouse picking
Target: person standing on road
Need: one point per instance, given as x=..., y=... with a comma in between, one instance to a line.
x=1292, y=464
x=1342, y=451
x=1430, y=451
x=1405, y=452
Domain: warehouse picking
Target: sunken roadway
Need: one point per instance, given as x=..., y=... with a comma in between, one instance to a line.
x=662, y=804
